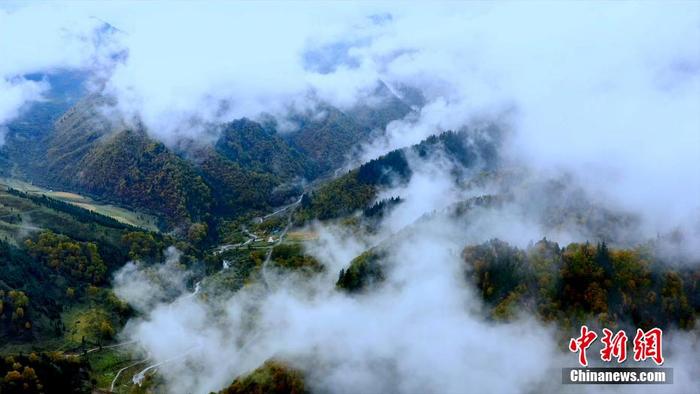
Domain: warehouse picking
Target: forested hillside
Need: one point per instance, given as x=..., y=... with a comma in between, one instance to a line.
x=78, y=142
x=328, y=135
x=5, y=164
x=25, y=140
x=234, y=189
x=273, y=377
x=357, y=189
x=572, y=285
x=72, y=136
x=260, y=149
x=140, y=172
x=585, y=282
x=56, y=260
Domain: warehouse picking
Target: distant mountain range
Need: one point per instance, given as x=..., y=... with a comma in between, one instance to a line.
x=68, y=142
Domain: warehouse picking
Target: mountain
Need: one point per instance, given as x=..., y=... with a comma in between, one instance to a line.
x=260, y=149
x=135, y=170
x=328, y=134
x=273, y=377
x=71, y=142
x=55, y=258
x=85, y=151
x=234, y=189
x=384, y=106
x=358, y=188
x=5, y=164
x=25, y=140
x=56, y=302
x=566, y=284
x=73, y=136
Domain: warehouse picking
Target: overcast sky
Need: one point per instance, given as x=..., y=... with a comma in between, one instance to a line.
x=606, y=91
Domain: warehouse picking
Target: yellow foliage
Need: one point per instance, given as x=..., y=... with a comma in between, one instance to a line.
x=13, y=376
x=28, y=373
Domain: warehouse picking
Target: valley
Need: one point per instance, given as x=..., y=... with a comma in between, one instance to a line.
x=117, y=365
x=341, y=198
x=126, y=216
x=252, y=251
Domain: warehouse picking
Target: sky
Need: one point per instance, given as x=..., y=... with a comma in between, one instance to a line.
x=605, y=92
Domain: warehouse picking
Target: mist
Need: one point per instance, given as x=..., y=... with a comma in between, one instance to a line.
x=419, y=332
x=423, y=329
x=67, y=40
x=586, y=88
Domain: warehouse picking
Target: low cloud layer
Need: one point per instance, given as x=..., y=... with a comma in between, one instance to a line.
x=422, y=330
x=144, y=287
x=607, y=93
x=40, y=39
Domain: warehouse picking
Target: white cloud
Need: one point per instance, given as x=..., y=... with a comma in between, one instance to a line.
x=420, y=332
x=39, y=39
x=608, y=92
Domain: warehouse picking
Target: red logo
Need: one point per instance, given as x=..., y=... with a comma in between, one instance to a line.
x=614, y=346
x=582, y=343
x=647, y=345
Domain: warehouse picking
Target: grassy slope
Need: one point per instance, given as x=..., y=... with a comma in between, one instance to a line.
x=127, y=216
